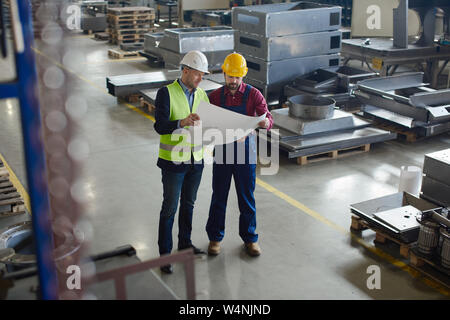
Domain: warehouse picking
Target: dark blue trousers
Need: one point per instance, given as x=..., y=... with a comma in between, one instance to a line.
x=174, y=184
x=244, y=181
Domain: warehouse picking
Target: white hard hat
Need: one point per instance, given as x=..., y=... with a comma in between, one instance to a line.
x=195, y=60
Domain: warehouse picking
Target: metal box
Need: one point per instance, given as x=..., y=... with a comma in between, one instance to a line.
x=436, y=191
x=288, y=47
x=437, y=166
x=205, y=39
x=283, y=19
x=284, y=71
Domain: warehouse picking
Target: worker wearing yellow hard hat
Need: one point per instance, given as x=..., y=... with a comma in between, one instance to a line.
x=242, y=98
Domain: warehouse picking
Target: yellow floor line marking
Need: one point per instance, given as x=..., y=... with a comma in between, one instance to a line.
x=414, y=273
x=16, y=183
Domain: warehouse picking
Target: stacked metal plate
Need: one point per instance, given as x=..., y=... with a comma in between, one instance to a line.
x=405, y=100
x=436, y=180
x=286, y=40
x=171, y=45
x=128, y=84
x=302, y=137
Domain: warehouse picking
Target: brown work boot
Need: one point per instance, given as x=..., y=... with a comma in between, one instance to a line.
x=214, y=248
x=252, y=249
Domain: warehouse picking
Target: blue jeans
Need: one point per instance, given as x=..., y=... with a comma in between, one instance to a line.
x=174, y=184
x=244, y=181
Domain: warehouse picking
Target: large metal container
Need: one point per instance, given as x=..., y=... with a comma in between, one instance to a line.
x=436, y=191
x=311, y=107
x=273, y=20
x=205, y=39
x=287, y=47
x=283, y=71
x=437, y=166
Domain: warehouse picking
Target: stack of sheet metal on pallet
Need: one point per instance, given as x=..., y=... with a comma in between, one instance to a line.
x=171, y=45
x=283, y=41
x=436, y=179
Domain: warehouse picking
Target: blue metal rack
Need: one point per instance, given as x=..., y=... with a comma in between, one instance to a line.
x=25, y=89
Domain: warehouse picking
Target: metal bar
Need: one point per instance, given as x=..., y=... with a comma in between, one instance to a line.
x=9, y=90
x=33, y=146
x=119, y=274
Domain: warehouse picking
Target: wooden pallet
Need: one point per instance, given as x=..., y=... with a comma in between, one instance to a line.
x=130, y=11
x=359, y=224
x=132, y=98
x=127, y=17
x=147, y=105
x=116, y=37
x=102, y=36
x=119, y=42
x=334, y=154
x=11, y=202
x=120, y=54
x=137, y=31
x=409, y=135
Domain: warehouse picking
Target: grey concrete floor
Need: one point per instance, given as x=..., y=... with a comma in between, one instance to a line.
x=303, y=212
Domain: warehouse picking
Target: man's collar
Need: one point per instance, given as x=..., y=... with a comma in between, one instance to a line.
x=183, y=86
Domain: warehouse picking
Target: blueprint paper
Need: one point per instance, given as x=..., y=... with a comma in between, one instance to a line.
x=220, y=126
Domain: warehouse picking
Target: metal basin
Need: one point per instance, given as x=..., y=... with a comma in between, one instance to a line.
x=311, y=107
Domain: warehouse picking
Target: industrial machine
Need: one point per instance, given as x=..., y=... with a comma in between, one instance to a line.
x=405, y=100
x=385, y=54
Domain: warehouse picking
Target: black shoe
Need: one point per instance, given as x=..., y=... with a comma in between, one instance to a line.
x=196, y=250
x=167, y=269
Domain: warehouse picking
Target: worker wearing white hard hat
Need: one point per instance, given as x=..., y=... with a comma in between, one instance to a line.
x=181, y=162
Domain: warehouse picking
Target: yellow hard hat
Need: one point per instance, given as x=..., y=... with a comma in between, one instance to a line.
x=235, y=65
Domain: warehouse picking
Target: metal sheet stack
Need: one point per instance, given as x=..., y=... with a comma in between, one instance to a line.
x=171, y=46
x=436, y=180
x=128, y=25
x=283, y=41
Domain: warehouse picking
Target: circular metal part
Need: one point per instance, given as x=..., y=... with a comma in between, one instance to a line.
x=428, y=236
x=445, y=248
x=311, y=107
x=15, y=235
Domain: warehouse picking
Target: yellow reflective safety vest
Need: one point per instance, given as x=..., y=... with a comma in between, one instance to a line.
x=176, y=147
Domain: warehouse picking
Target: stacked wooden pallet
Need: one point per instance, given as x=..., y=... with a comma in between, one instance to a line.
x=128, y=25
x=11, y=202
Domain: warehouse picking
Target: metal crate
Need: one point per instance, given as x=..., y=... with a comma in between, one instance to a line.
x=287, y=47
x=284, y=71
x=283, y=19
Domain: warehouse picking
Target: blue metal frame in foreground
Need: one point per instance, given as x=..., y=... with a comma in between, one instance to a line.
x=25, y=88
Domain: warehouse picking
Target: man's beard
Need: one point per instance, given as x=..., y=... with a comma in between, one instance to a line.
x=233, y=86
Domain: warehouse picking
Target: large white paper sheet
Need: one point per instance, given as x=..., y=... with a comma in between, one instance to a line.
x=220, y=126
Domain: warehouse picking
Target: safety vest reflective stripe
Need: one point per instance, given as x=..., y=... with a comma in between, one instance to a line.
x=178, y=147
